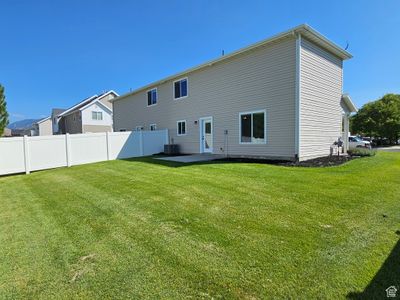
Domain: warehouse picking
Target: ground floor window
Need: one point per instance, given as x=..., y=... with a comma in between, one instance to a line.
x=153, y=127
x=252, y=127
x=139, y=128
x=181, y=127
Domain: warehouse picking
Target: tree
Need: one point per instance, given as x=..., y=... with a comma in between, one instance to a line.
x=3, y=111
x=380, y=118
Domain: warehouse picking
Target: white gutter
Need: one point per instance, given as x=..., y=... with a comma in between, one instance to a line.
x=347, y=100
x=301, y=29
x=42, y=120
x=71, y=109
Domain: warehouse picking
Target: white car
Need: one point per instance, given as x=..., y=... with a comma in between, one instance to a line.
x=356, y=142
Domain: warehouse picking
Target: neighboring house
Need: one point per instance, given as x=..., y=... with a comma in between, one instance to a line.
x=93, y=114
x=43, y=127
x=6, y=132
x=281, y=98
x=54, y=117
x=22, y=132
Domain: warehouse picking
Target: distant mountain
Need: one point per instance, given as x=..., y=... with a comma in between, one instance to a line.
x=23, y=124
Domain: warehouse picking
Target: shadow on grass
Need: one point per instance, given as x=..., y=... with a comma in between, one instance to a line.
x=173, y=164
x=388, y=275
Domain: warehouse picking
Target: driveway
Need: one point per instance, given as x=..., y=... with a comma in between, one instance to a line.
x=389, y=149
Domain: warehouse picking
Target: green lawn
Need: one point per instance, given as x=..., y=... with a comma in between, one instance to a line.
x=149, y=229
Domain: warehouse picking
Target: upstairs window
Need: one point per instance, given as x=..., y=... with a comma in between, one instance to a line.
x=180, y=88
x=153, y=127
x=152, y=97
x=97, y=115
x=181, y=127
x=252, y=127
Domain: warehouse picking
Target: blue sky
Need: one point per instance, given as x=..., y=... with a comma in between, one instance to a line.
x=55, y=53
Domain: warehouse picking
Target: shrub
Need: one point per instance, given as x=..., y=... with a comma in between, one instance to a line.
x=361, y=152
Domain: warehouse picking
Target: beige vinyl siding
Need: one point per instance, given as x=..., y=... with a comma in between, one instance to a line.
x=96, y=128
x=106, y=100
x=263, y=78
x=321, y=91
x=45, y=127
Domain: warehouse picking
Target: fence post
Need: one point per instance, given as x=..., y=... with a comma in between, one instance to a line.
x=68, y=149
x=26, y=156
x=108, y=145
x=141, y=143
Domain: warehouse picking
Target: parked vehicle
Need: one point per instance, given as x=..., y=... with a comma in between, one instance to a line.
x=366, y=138
x=356, y=142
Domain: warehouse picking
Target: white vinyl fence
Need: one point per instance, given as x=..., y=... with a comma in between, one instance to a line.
x=25, y=154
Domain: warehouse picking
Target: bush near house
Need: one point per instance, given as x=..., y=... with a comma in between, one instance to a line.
x=147, y=229
x=361, y=152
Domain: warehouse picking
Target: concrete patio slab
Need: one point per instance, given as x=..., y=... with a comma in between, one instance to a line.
x=192, y=158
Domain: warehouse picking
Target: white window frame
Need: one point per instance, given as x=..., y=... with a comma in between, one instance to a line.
x=153, y=125
x=177, y=127
x=97, y=114
x=265, y=126
x=147, y=100
x=187, y=88
x=139, y=128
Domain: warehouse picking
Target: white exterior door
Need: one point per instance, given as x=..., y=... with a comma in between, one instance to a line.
x=206, y=135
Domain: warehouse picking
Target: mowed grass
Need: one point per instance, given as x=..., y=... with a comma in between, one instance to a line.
x=149, y=229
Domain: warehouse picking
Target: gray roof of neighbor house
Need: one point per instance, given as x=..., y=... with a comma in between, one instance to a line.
x=85, y=102
x=57, y=111
x=42, y=120
x=304, y=29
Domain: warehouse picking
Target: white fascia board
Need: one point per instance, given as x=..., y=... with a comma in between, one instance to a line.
x=108, y=93
x=98, y=103
x=71, y=109
x=42, y=120
x=304, y=28
x=349, y=103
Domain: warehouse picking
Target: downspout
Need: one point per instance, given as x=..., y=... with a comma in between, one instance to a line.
x=112, y=117
x=298, y=98
x=81, y=120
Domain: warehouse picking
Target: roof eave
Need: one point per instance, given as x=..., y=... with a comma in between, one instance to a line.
x=75, y=107
x=209, y=63
x=349, y=103
x=97, y=101
x=332, y=47
x=42, y=120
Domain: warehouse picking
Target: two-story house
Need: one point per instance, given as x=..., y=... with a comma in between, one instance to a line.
x=281, y=98
x=43, y=127
x=93, y=114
